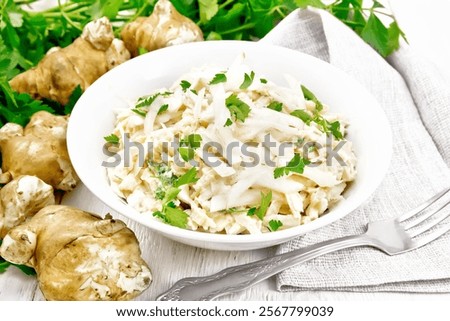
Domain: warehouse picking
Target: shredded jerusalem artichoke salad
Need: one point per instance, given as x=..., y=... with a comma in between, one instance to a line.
x=224, y=106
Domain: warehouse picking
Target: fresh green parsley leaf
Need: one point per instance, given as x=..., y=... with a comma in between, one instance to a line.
x=376, y=34
x=192, y=140
x=146, y=101
x=113, y=139
x=4, y=266
x=251, y=211
x=176, y=217
x=238, y=109
x=313, y=3
x=25, y=269
x=142, y=50
x=187, y=146
x=296, y=165
x=194, y=91
x=310, y=96
x=189, y=177
x=248, y=80
x=208, y=9
x=276, y=105
x=218, y=78
x=162, y=109
x=229, y=122
x=325, y=125
x=160, y=215
x=303, y=115
x=335, y=129
x=140, y=112
x=265, y=202
x=185, y=85
x=274, y=225
x=263, y=81
x=186, y=153
x=171, y=194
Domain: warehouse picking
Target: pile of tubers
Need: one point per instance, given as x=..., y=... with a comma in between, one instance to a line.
x=77, y=255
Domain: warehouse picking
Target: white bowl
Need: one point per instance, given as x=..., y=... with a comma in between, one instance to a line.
x=93, y=118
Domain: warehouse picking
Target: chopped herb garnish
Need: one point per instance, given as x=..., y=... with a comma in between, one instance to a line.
x=160, y=193
x=187, y=146
x=335, y=129
x=274, y=225
x=194, y=91
x=192, y=140
x=176, y=217
x=310, y=96
x=248, y=80
x=185, y=85
x=170, y=194
x=163, y=173
x=148, y=100
x=303, y=115
x=262, y=209
x=173, y=216
x=263, y=81
x=218, y=78
x=251, y=211
x=162, y=109
x=189, y=177
x=238, y=109
x=139, y=112
x=275, y=105
x=325, y=125
x=112, y=139
x=186, y=153
x=296, y=165
x=229, y=122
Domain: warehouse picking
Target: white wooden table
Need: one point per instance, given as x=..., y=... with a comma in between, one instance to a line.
x=427, y=29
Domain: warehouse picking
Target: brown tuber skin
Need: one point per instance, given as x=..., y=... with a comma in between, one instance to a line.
x=164, y=27
x=80, y=63
x=79, y=256
x=20, y=199
x=39, y=150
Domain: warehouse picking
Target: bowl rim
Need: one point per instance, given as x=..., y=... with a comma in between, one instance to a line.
x=272, y=237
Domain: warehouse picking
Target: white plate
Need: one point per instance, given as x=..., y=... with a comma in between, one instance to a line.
x=93, y=118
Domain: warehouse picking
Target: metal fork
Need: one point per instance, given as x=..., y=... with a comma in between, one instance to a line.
x=392, y=236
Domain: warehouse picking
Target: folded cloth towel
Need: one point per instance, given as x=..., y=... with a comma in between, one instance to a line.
x=417, y=105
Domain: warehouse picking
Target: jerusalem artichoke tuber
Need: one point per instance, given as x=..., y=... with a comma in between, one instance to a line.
x=91, y=55
x=79, y=256
x=20, y=199
x=38, y=149
x=164, y=27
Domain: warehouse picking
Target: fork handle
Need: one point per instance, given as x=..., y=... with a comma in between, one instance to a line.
x=241, y=277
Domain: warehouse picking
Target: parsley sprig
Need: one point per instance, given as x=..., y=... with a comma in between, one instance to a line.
x=188, y=146
x=168, y=192
x=296, y=165
x=239, y=110
x=364, y=21
x=327, y=127
x=261, y=210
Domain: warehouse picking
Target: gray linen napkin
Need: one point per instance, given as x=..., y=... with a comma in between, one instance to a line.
x=417, y=104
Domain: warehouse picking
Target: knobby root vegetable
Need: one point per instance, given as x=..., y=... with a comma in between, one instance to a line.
x=164, y=27
x=79, y=256
x=39, y=150
x=20, y=199
x=61, y=70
